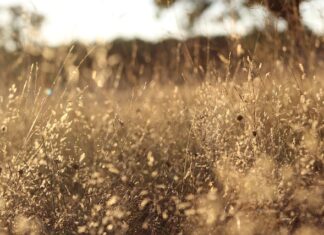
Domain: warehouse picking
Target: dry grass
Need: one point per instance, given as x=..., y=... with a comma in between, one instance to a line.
x=243, y=157
x=188, y=137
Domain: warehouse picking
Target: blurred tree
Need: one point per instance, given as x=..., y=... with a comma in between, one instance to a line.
x=21, y=26
x=199, y=8
x=287, y=9
x=297, y=43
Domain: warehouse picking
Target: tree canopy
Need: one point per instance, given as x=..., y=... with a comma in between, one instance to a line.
x=287, y=9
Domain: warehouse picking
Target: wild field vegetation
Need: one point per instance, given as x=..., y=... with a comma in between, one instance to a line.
x=241, y=156
x=222, y=136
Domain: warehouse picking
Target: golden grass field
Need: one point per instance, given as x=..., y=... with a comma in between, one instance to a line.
x=241, y=155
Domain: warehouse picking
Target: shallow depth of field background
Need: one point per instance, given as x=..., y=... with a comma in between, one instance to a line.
x=161, y=117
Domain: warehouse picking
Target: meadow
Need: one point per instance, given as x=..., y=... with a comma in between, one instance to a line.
x=240, y=151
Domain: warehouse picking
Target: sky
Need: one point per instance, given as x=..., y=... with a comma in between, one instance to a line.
x=100, y=20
